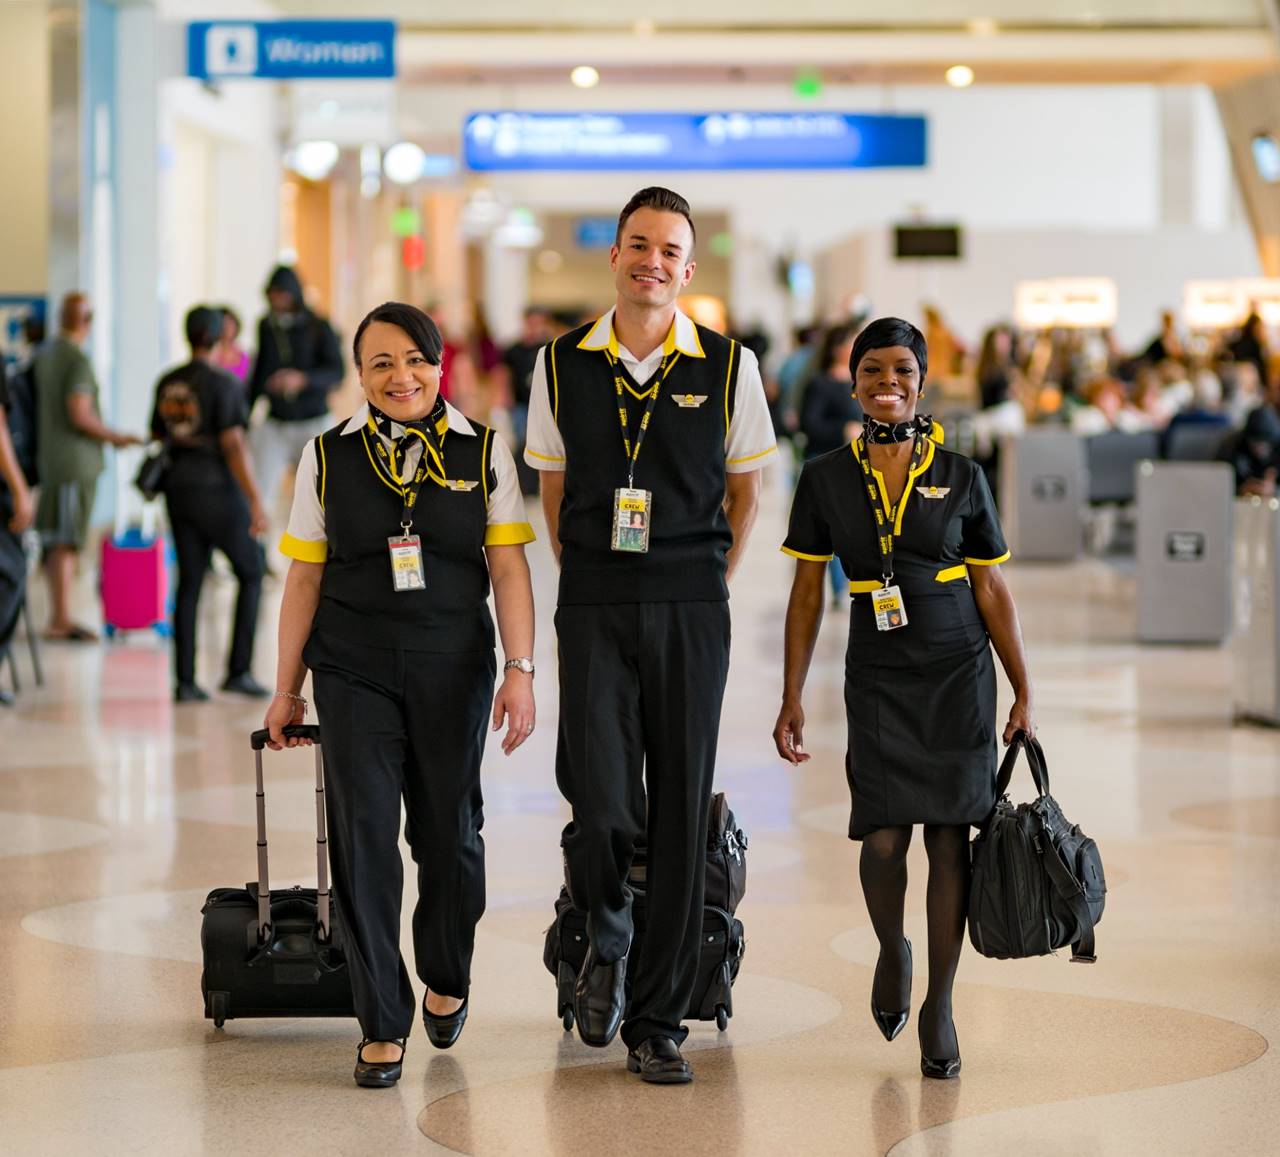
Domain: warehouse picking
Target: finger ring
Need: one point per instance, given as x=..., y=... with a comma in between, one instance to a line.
x=529, y=729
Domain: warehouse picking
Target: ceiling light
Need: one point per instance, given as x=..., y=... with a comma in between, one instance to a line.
x=959, y=76
x=550, y=261
x=584, y=76
x=983, y=26
x=402, y=163
x=644, y=27
x=314, y=159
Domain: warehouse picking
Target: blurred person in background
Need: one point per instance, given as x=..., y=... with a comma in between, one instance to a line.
x=946, y=350
x=69, y=458
x=297, y=367
x=1241, y=388
x=1153, y=402
x=1205, y=412
x=229, y=354
x=1166, y=343
x=1001, y=413
x=1103, y=407
x=212, y=499
x=793, y=375
x=16, y=513
x=830, y=417
x=1254, y=453
x=519, y=358
x=1251, y=345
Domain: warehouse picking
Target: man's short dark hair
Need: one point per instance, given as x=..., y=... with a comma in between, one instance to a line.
x=204, y=327
x=665, y=201
x=884, y=333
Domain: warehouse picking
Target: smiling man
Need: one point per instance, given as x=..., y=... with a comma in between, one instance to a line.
x=643, y=413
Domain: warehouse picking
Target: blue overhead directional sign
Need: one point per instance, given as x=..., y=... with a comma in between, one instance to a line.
x=292, y=49
x=581, y=142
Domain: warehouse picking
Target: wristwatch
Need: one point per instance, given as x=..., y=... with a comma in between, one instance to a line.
x=524, y=663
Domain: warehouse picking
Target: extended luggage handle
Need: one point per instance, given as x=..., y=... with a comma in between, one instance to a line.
x=258, y=740
x=1035, y=758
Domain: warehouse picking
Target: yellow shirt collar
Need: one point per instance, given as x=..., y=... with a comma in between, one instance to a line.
x=682, y=336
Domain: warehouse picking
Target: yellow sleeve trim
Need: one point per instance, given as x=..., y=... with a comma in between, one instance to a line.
x=728, y=379
x=951, y=574
x=303, y=550
x=508, y=534
x=324, y=469
x=989, y=561
x=752, y=457
x=543, y=457
x=807, y=557
x=484, y=464
x=865, y=586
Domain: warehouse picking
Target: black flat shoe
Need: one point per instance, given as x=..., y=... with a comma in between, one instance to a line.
x=657, y=1059
x=378, y=1074
x=598, y=1000
x=891, y=1024
x=443, y=1031
x=189, y=693
x=245, y=684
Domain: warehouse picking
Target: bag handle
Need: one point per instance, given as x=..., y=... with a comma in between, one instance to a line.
x=1035, y=758
x=1072, y=891
x=258, y=740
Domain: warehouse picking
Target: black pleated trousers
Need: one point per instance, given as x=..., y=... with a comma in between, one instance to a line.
x=641, y=686
x=403, y=725
x=204, y=519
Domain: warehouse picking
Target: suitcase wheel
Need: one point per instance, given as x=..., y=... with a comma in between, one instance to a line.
x=218, y=1008
x=567, y=1020
x=722, y=1018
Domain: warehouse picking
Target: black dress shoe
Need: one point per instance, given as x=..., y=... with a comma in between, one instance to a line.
x=378, y=1074
x=891, y=1023
x=189, y=693
x=657, y=1059
x=6, y=699
x=598, y=999
x=443, y=1031
x=939, y=1068
x=245, y=684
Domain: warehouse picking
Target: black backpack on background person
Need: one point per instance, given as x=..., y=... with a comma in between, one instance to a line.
x=1037, y=882
x=21, y=418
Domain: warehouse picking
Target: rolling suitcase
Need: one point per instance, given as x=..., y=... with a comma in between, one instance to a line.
x=275, y=953
x=723, y=941
x=133, y=572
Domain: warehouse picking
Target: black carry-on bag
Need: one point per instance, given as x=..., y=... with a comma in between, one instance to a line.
x=275, y=953
x=1037, y=881
x=723, y=941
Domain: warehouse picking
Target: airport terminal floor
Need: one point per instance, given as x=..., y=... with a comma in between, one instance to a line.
x=119, y=811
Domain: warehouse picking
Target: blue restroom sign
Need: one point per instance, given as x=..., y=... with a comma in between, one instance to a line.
x=605, y=142
x=292, y=49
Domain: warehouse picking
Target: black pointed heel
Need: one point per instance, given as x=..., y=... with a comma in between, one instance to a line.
x=891, y=1024
x=378, y=1074
x=939, y=1068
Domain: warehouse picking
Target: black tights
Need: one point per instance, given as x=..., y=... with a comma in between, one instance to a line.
x=883, y=870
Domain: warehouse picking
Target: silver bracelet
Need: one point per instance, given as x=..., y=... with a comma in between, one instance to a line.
x=295, y=698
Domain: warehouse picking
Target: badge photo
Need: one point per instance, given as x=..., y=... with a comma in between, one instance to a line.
x=631, y=512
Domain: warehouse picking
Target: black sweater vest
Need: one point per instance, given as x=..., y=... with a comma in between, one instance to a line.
x=362, y=510
x=682, y=462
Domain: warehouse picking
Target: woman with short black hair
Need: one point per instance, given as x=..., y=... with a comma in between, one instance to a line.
x=402, y=516
x=917, y=531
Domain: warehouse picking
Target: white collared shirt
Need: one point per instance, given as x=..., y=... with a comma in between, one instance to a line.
x=749, y=443
x=505, y=523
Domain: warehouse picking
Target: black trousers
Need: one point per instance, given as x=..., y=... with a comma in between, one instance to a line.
x=641, y=686
x=405, y=725
x=203, y=519
x=13, y=574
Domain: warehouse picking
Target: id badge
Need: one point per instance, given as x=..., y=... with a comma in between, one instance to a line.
x=632, y=510
x=890, y=613
x=406, y=562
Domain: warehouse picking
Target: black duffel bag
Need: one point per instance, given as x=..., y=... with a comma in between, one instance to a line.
x=726, y=872
x=1037, y=882
x=275, y=953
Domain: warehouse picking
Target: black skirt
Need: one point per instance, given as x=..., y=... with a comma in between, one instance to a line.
x=921, y=706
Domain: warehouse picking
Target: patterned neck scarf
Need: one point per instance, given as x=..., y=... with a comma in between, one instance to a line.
x=881, y=433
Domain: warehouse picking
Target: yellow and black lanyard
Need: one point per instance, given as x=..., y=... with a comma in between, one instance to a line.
x=430, y=465
x=632, y=451
x=886, y=519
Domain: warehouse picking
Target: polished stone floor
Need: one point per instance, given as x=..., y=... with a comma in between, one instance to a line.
x=119, y=811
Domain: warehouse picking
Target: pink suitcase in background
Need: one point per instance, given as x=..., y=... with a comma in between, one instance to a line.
x=134, y=576
x=135, y=594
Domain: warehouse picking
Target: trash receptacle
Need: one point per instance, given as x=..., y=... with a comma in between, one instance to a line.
x=1185, y=532
x=1041, y=494
x=1255, y=645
